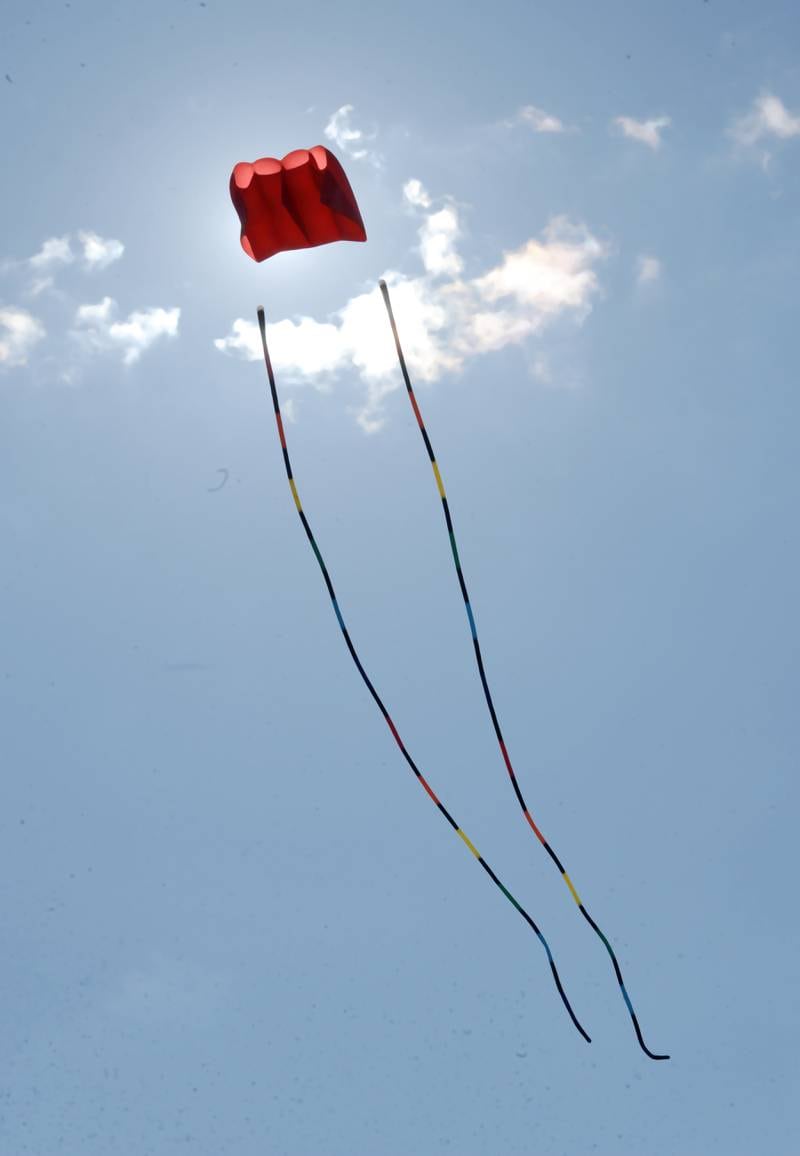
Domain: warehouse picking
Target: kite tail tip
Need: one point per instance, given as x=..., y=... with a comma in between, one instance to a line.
x=643, y=1045
x=384, y=288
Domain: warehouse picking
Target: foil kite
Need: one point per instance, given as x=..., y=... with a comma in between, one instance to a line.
x=300, y=202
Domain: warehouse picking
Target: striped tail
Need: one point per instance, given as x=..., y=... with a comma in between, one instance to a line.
x=375, y=696
x=484, y=683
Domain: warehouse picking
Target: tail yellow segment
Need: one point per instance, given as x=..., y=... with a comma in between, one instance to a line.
x=466, y=840
x=568, y=882
x=295, y=494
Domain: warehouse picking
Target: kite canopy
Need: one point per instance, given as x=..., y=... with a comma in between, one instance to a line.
x=301, y=201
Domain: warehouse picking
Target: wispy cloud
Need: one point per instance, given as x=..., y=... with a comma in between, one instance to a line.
x=96, y=252
x=93, y=253
x=20, y=331
x=646, y=132
x=97, y=329
x=444, y=320
x=416, y=195
x=39, y=285
x=54, y=251
x=352, y=141
x=100, y=252
x=539, y=120
x=648, y=269
x=768, y=119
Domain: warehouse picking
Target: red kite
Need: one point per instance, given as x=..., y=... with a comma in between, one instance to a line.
x=301, y=201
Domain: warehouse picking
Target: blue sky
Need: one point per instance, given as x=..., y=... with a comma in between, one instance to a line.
x=232, y=921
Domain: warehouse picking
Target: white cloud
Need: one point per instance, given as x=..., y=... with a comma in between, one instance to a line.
x=19, y=332
x=648, y=269
x=549, y=275
x=539, y=120
x=96, y=316
x=99, y=252
x=304, y=348
x=647, y=132
x=351, y=140
x=768, y=117
x=437, y=243
x=438, y=234
x=243, y=341
x=96, y=328
x=54, y=251
x=416, y=194
x=444, y=321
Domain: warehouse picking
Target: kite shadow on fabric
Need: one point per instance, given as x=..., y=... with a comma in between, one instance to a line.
x=303, y=201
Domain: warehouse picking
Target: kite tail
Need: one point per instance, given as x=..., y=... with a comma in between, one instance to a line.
x=376, y=697
x=484, y=683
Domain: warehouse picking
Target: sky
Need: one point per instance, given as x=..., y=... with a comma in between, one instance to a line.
x=233, y=925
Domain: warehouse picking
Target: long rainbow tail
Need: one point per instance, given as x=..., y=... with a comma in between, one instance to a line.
x=376, y=697
x=484, y=683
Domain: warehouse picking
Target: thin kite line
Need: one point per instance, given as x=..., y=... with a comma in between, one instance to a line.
x=216, y=489
x=487, y=693
x=376, y=696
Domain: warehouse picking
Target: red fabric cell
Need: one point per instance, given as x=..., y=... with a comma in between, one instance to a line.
x=301, y=201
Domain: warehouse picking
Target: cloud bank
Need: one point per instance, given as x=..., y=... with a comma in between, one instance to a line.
x=445, y=319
